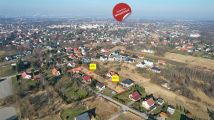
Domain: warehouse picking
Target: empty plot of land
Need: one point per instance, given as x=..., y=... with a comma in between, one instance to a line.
x=104, y=109
x=196, y=61
x=5, y=88
x=129, y=116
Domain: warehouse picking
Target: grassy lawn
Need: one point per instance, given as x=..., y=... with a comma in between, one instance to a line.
x=6, y=70
x=71, y=90
x=25, y=85
x=124, y=97
x=157, y=110
x=75, y=93
x=175, y=116
x=71, y=113
x=107, y=92
x=52, y=117
x=138, y=106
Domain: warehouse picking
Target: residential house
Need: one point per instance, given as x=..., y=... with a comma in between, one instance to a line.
x=160, y=101
x=75, y=70
x=156, y=69
x=135, y=96
x=149, y=104
x=103, y=58
x=100, y=86
x=145, y=64
x=55, y=72
x=111, y=73
x=84, y=116
x=129, y=60
x=72, y=56
x=127, y=83
x=141, y=65
x=170, y=110
x=162, y=116
x=71, y=64
x=25, y=75
x=148, y=63
x=104, y=50
x=76, y=50
x=86, y=60
x=86, y=78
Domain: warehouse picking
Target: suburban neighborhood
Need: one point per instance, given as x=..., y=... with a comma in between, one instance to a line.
x=82, y=70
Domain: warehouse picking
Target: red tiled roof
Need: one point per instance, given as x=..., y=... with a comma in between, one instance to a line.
x=72, y=56
x=150, y=102
x=86, y=78
x=75, y=69
x=136, y=95
x=75, y=49
x=24, y=74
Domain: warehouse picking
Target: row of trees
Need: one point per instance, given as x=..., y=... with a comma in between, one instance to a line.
x=182, y=77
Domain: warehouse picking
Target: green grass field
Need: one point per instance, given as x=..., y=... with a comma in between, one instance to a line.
x=71, y=113
x=6, y=70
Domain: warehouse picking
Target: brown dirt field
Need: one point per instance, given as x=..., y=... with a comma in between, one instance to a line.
x=118, y=48
x=2, y=53
x=104, y=109
x=204, y=98
x=53, y=117
x=129, y=116
x=191, y=60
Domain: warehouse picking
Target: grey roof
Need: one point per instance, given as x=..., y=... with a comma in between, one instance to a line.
x=128, y=81
x=100, y=84
x=156, y=68
x=84, y=116
x=8, y=113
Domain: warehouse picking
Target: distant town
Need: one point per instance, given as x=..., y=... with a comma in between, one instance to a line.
x=165, y=69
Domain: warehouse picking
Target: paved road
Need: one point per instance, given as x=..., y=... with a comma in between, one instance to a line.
x=6, y=88
x=7, y=112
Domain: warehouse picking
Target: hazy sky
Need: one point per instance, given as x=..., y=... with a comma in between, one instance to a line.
x=174, y=9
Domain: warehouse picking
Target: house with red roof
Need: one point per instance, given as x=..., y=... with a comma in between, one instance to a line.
x=149, y=104
x=55, y=72
x=86, y=79
x=25, y=75
x=76, y=50
x=72, y=56
x=75, y=70
x=135, y=96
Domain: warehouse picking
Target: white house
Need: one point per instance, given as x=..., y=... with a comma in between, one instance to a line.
x=100, y=86
x=171, y=110
x=145, y=64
